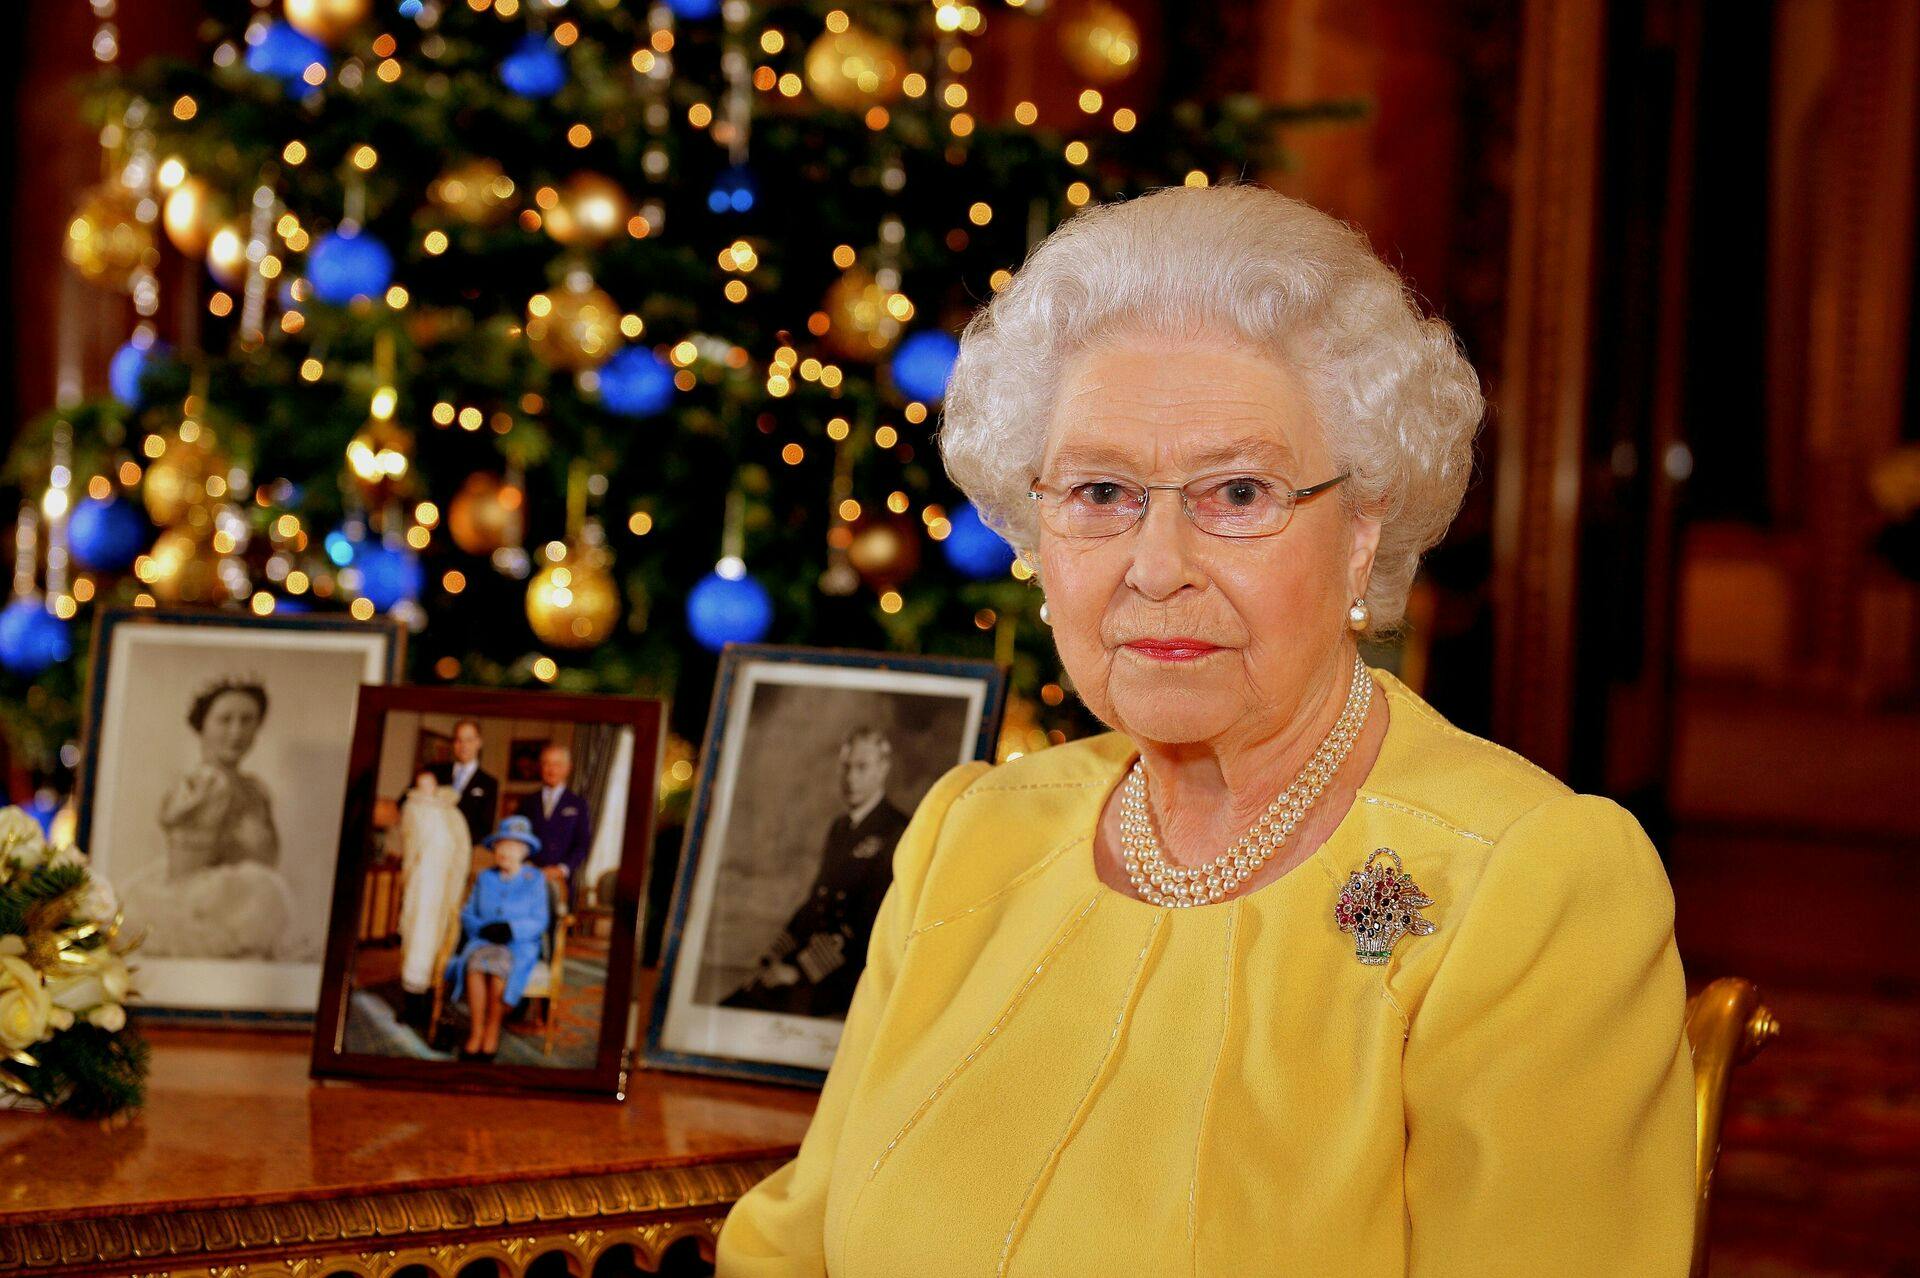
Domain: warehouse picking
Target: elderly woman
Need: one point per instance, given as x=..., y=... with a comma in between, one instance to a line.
x=1285, y=974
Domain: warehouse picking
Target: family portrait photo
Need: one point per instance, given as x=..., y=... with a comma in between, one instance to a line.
x=216, y=765
x=814, y=761
x=488, y=893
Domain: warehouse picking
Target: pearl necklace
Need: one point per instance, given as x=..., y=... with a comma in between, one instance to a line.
x=1155, y=880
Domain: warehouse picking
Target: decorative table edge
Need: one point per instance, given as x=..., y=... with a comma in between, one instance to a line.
x=373, y=1236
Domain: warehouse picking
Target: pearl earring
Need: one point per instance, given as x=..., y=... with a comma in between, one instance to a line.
x=1046, y=618
x=1358, y=616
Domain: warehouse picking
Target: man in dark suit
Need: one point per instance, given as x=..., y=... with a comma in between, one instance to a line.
x=562, y=820
x=479, y=791
x=811, y=967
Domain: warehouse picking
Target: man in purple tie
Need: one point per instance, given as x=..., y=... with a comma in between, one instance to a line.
x=561, y=819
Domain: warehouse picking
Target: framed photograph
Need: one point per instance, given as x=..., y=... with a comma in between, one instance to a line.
x=483, y=937
x=209, y=796
x=814, y=759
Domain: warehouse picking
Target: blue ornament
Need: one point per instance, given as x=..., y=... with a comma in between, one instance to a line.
x=348, y=264
x=974, y=549
x=636, y=383
x=923, y=363
x=31, y=638
x=43, y=807
x=107, y=533
x=535, y=68
x=129, y=367
x=694, y=10
x=732, y=191
x=723, y=610
x=285, y=53
x=390, y=573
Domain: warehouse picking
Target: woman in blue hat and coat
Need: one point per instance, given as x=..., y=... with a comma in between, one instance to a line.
x=503, y=921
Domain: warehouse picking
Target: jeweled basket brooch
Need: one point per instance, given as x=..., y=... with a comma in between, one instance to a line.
x=1379, y=905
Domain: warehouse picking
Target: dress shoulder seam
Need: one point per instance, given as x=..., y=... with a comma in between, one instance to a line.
x=1381, y=801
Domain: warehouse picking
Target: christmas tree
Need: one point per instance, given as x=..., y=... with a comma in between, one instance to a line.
x=586, y=337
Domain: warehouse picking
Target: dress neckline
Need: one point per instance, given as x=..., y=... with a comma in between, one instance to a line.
x=1315, y=871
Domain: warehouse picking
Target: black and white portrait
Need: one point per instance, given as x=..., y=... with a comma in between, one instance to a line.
x=814, y=763
x=216, y=765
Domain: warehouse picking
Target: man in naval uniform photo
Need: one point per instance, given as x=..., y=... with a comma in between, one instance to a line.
x=811, y=967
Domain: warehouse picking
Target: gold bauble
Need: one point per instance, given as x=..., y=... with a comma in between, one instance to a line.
x=573, y=328
x=227, y=254
x=574, y=603
x=885, y=550
x=854, y=69
x=191, y=215
x=476, y=191
x=182, y=568
x=592, y=210
x=859, y=324
x=484, y=514
x=106, y=241
x=378, y=458
x=328, y=21
x=1102, y=43
x=175, y=486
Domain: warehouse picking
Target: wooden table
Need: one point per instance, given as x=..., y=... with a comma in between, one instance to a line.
x=240, y=1163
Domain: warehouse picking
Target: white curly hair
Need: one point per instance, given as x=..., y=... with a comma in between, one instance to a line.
x=1392, y=389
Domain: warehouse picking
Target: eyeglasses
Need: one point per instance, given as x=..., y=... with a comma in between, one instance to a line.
x=1233, y=505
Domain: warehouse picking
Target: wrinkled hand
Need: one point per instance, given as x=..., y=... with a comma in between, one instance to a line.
x=500, y=932
x=824, y=952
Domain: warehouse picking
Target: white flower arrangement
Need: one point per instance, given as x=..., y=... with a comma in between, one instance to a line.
x=64, y=980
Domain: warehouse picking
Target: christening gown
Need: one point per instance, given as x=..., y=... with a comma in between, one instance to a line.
x=1042, y=1075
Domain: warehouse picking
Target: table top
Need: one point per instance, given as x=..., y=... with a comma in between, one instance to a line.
x=232, y=1118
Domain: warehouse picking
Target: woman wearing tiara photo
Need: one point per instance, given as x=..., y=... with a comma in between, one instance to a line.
x=219, y=892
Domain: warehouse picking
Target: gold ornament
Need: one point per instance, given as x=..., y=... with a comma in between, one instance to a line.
x=1102, y=43
x=573, y=327
x=175, y=487
x=106, y=241
x=191, y=215
x=328, y=21
x=377, y=458
x=182, y=569
x=484, y=514
x=861, y=322
x=885, y=550
x=574, y=603
x=854, y=69
x=227, y=254
x=476, y=191
x=592, y=210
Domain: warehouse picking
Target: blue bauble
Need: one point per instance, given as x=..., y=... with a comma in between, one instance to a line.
x=974, y=549
x=129, y=366
x=389, y=573
x=31, y=638
x=733, y=190
x=923, y=363
x=723, y=610
x=43, y=807
x=636, y=383
x=694, y=10
x=285, y=53
x=107, y=533
x=535, y=68
x=348, y=264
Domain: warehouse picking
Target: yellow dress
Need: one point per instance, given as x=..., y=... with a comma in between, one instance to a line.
x=1041, y=1075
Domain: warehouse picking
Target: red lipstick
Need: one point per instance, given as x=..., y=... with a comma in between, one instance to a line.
x=1173, y=649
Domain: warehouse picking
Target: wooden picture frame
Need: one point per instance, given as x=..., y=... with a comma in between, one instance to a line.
x=363, y=1029
x=827, y=715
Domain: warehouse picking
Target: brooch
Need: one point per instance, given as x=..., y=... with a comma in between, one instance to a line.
x=1379, y=905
